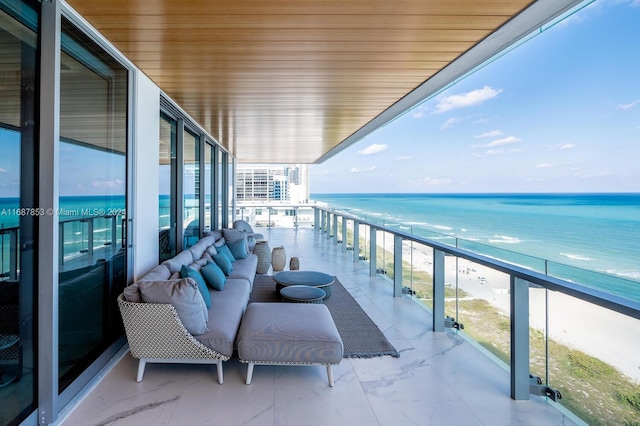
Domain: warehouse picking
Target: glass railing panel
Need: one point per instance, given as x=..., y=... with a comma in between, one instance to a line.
x=610, y=283
x=365, y=242
x=350, y=234
x=421, y=257
x=483, y=304
x=384, y=253
x=506, y=255
x=9, y=253
x=74, y=235
x=434, y=236
x=103, y=232
x=593, y=360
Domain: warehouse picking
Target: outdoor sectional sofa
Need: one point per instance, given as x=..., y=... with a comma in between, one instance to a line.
x=158, y=334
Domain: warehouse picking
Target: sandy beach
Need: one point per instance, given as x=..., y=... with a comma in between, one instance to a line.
x=609, y=336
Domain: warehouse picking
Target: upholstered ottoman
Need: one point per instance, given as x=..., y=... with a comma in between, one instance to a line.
x=288, y=334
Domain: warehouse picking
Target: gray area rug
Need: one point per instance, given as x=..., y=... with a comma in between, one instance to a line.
x=360, y=335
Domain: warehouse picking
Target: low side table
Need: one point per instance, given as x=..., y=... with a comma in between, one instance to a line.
x=302, y=294
x=310, y=278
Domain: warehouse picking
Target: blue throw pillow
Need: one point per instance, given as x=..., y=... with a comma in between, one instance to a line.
x=213, y=275
x=186, y=272
x=224, y=249
x=223, y=262
x=238, y=249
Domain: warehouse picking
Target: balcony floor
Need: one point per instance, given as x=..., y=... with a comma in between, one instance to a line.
x=439, y=378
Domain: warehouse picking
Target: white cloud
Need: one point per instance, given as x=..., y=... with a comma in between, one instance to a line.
x=491, y=134
x=3, y=170
x=630, y=105
x=493, y=152
x=450, y=122
x=374, y=149
x=475, y=97
x=359, y=170
x=544, y=166
x=404, y=158
x=561, y=147
x=499, y=142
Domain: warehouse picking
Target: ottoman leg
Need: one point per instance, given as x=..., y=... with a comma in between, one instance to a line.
x=249, y=373
x=330, y=374
x=220, y=377
x=141, y=364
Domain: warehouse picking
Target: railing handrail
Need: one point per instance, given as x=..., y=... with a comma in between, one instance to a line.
x=598, y=297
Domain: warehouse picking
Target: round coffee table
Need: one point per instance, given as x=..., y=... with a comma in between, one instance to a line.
x=308, y=278
x=302, y=294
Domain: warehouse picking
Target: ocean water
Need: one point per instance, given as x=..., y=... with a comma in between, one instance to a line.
x=75, y=235
x=575, y=233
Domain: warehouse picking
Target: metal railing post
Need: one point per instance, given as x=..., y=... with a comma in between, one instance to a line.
x=372, y=251
x=344, y=235
x=335, y=228
x=327, y=228
x=519, y=338
x=114, y=231
x=316, y=218
x=438, y=290
x=61, y=243
x=90, y=236
x=397, y=265
x=356, y=240
x=13, y=254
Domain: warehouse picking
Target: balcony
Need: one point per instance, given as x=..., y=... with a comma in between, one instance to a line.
x=439, y=378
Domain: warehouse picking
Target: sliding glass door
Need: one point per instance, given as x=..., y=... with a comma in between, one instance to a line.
x=92, y=200
x=167, y=220
x=190, y=188
x=19, y=210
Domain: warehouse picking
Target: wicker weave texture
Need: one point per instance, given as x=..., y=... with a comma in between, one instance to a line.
x=154, y=330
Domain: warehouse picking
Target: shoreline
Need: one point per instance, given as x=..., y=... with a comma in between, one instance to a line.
x=612, y=337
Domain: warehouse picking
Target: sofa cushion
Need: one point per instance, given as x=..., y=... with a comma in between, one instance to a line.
x=197, y=249
x=238, y=248
x=223, y=262
x=231, y=234
x=159, y=273
x=132, y=293
x=209, y=239
x=227, y=308
x=185, y=297
x=216, y=235
x=245, y=268
x=211, y=251
x=213, y=275
x=187, y=272
x=225, y=250
x=175, y=264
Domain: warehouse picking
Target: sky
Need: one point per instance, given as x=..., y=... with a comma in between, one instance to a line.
x=560, y=113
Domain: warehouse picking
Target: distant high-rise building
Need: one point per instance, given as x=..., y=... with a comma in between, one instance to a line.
x=264, y=183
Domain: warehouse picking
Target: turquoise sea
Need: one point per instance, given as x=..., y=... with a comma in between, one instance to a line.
x=575, y=233
x=72, y=212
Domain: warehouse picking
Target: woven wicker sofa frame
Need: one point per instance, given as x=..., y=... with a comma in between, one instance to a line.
x=156, y=335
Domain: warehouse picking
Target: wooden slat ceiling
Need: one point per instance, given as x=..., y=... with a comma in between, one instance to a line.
x=285, y=81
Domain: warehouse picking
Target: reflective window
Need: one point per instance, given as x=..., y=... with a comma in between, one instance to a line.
x=167, y=233
x=18, y=209
x=191, y=189
x=92, y=164
x=208, y=184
